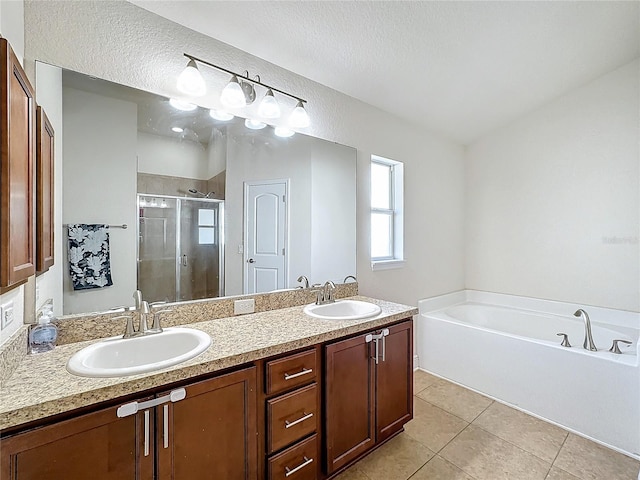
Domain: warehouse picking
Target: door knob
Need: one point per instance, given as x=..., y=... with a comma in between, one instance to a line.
x=251, y=260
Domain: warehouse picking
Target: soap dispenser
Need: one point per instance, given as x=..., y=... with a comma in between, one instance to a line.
x=43, y=336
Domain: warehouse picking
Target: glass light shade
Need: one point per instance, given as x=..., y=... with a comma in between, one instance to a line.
x=254, y=124
x=190, y=81
x=183, y=106
x=232, y=95
x=269, y=107
x=299, y=117
x=283, y=132
x=220, y=115
x=177, y=129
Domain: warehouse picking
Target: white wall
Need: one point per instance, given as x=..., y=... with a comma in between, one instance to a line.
x=49, y=97
x=552, y=206
x=12, y=28
x=103, y=130
x=97, y=38
x=333, y=231
x=167, y=156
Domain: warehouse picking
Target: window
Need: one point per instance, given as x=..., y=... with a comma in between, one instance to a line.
x=386, y=213
x=206, y=227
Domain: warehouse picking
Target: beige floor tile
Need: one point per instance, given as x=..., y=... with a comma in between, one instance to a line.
x=487, y=457
x=455, y=399
x=352, y=473
x=398, y=459
x=589, y=461
x=529, y=433
x=439, y=469
x=422, y=380
x=557, y=474
x=432, y=426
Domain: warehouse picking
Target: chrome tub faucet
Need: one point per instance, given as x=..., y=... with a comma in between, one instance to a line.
x=588, y=343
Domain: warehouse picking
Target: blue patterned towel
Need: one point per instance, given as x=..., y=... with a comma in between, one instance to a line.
x=89, y=264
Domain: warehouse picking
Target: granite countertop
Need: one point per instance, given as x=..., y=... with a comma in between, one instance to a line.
x=41, y=385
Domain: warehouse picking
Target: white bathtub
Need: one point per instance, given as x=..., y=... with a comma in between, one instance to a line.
x=506, y=347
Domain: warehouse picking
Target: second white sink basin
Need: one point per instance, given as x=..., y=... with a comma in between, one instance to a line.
x=118, y=357
x=343, y=310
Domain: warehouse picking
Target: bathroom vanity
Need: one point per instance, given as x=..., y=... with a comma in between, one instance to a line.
x=279, y=395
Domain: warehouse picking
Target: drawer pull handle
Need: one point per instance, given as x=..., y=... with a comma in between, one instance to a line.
x=146, y=433
x=288, y=424
x=304, y=371
x=291, y=471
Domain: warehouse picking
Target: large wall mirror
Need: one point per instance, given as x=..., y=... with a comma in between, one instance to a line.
x=212, y=207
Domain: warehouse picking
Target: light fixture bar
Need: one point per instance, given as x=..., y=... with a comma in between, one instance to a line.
x=230, y=72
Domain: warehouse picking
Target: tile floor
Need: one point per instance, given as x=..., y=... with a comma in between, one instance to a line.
x=457, y=434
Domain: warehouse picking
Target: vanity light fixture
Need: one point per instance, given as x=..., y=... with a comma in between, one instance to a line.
x=220, y=115
x=254, y=124
x=232, y=95
x=240, y=92
x=190, y=80
x=269, y=107
x=183, y=106
x=283, y=132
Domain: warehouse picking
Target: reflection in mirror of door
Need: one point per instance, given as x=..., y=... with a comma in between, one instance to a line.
x=121, y=151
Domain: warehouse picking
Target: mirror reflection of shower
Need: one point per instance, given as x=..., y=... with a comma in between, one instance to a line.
x=180, y=247
x=195, y=192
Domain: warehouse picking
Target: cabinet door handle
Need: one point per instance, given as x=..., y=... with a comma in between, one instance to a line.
x=146, y=433
x=288, y=424
x=384, y=333
x=304, y=371
x=165, y=426
x=291, y=471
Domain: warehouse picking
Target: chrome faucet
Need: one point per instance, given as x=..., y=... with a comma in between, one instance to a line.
x=348, y=277
x=588, y=343
x=142, y=307
x=329, y=291
x=304, y=280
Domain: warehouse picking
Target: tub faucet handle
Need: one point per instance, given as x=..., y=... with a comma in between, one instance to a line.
x=565, y=339
x=615, y=349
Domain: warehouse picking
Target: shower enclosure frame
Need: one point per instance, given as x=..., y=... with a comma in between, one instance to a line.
x=178, y=200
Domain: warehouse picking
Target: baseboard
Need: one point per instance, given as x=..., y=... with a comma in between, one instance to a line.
x=416, y=365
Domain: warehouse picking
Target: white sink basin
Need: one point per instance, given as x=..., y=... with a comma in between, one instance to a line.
x=118, y=357
x=343, y=310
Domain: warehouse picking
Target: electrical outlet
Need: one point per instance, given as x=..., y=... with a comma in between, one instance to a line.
x=6, y=315
x=244, y=306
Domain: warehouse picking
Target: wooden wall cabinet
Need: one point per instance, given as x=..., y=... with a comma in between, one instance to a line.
x=17, y=173
x=44, y=191
x=368, y=392
x=211, y=433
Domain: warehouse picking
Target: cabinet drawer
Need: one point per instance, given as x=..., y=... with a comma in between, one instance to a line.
x=299, y=462
x=290, y=371
x=291, y=417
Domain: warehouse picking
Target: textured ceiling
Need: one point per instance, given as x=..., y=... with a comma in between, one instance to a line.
x=457, y=68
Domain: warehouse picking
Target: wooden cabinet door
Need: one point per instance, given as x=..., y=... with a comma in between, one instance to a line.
x=349, y=401
x=44, y=192
x=212, y=432
x=394, y=381
x=17, y=174
x=96, y=446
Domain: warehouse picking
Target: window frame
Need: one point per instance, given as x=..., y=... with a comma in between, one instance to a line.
x=395, y=212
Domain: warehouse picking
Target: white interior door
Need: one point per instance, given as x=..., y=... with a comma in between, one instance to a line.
x=265, y=235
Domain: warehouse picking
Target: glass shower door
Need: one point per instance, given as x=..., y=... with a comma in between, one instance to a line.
x=157, y=248
x=199, y=257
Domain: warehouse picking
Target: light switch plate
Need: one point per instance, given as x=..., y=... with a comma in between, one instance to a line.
x=241, y=307
x=6, y=315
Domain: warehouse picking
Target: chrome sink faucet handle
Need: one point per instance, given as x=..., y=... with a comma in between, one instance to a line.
x=588, y=343
x=565, y=339
x=129, y=330
x=155, y=326
x=304, y=280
